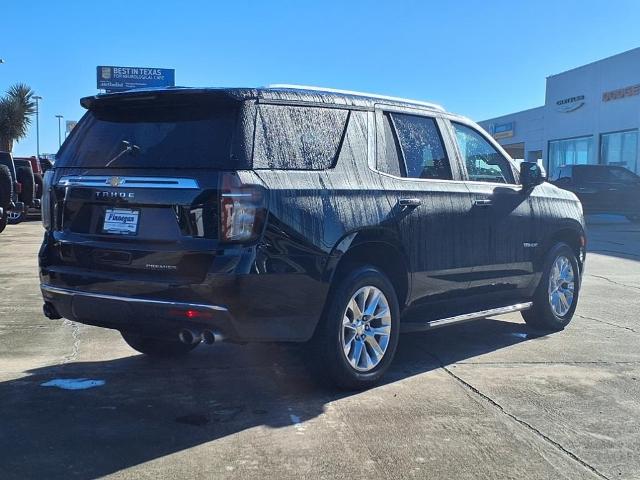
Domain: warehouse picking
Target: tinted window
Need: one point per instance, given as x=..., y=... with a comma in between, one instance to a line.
x=422, y=147
x=161, y=136
x=389, y=156
x=484, y=162
x=561, y=173
x=591, y=174
x=297, y=138
x=623, y=175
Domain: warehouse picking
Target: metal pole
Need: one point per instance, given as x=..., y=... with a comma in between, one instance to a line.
x=37, y=98
x=59, y=117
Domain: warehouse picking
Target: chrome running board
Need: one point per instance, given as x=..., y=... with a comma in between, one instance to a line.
x=467, y=317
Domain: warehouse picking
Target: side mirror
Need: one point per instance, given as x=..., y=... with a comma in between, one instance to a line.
x=530, y=174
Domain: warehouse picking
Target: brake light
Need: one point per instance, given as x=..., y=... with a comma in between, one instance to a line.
x=18, y=187
x=191, y=314
x=242, y=210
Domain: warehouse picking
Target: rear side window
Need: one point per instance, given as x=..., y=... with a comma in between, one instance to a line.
x=422, y=148
x=158, y=136
x=297, y=137
x=484, y=162
x=389, y=155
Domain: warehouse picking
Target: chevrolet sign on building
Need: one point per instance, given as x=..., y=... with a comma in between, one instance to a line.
x=118, y=79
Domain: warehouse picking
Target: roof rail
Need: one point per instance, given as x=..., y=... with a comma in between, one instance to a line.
x=433, y=106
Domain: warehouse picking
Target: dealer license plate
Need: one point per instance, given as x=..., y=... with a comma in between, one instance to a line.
x=121, y=221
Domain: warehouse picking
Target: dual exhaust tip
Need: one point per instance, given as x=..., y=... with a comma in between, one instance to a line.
x=191, y=337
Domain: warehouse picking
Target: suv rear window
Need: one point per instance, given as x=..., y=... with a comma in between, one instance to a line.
x=162, y=136
x=297, y=137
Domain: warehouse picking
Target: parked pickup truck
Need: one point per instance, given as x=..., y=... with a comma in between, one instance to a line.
x=602, y=188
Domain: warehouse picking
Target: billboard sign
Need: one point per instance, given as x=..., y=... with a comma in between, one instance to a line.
x=119, y=79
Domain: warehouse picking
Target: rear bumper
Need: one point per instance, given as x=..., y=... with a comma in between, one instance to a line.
x=241, y=307
x=154, y=317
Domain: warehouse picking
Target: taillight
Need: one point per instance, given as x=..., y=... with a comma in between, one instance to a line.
x=242, y=210
x=45, y=201
x=18, y=187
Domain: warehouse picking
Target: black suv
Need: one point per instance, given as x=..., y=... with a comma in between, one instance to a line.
x=602, y=188
x=181, y=216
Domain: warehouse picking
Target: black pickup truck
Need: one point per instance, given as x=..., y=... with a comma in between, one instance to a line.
x=602, y=188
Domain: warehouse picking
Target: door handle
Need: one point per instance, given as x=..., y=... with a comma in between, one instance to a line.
x=482, y=202
x=409, y=202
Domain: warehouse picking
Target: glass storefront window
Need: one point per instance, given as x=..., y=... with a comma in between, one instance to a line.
x=572, y=151
x=620, y=148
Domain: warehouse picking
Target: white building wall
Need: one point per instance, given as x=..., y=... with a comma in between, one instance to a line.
x=528, y=128
x=596, y=116
x=537, y=126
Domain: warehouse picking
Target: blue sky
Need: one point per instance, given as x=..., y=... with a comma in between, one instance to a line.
x=478, y=58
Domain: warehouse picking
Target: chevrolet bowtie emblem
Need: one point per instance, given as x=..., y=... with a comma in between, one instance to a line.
x=115, y=181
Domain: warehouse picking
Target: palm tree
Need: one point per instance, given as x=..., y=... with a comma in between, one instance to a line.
x=16, y=108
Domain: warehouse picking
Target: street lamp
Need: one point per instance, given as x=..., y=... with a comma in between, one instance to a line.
x=59, y=117
x=37, y=98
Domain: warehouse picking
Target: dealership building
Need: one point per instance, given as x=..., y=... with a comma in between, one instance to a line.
x=591, y=115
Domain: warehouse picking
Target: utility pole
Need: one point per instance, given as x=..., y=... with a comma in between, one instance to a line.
x=37, y=98
x=59, y=117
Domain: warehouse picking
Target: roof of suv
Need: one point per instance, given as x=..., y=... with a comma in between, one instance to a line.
x=287, y=93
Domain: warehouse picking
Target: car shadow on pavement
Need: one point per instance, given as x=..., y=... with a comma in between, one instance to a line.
x=148, y=409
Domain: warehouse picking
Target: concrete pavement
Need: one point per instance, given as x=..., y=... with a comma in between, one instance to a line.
x=490, y=399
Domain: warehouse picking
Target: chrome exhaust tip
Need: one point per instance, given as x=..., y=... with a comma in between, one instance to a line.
x=212, y=336
x=189, y=337
x=208, y=337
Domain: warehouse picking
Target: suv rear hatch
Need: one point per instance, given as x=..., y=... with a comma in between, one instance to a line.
x=140, y=187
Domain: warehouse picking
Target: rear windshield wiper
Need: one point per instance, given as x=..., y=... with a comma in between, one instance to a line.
x=129, y=147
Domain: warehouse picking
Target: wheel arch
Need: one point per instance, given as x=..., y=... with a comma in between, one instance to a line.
x=378, y=247
x=572, y=235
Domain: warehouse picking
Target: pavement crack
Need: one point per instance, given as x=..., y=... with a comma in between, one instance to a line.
x=518, y=420
x=613, y=281
x=75, y=334
x=607, y=323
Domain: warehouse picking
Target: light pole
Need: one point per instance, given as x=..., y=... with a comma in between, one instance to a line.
x=37, y=98
x=59, y=117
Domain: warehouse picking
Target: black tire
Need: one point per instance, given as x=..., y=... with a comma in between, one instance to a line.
x=3, y=222
x=25, y=177
x=542, y=316
x=633, y=218
x=155, y=347
x=329, y=360
x=37, y=178
x=15, y=218
x=6, y=187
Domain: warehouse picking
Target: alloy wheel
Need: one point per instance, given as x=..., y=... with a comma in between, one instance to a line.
x=561, y=286
x=366, y=328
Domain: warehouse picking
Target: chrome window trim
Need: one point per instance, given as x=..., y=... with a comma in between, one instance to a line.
x=127, y=182
x=69, y=292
